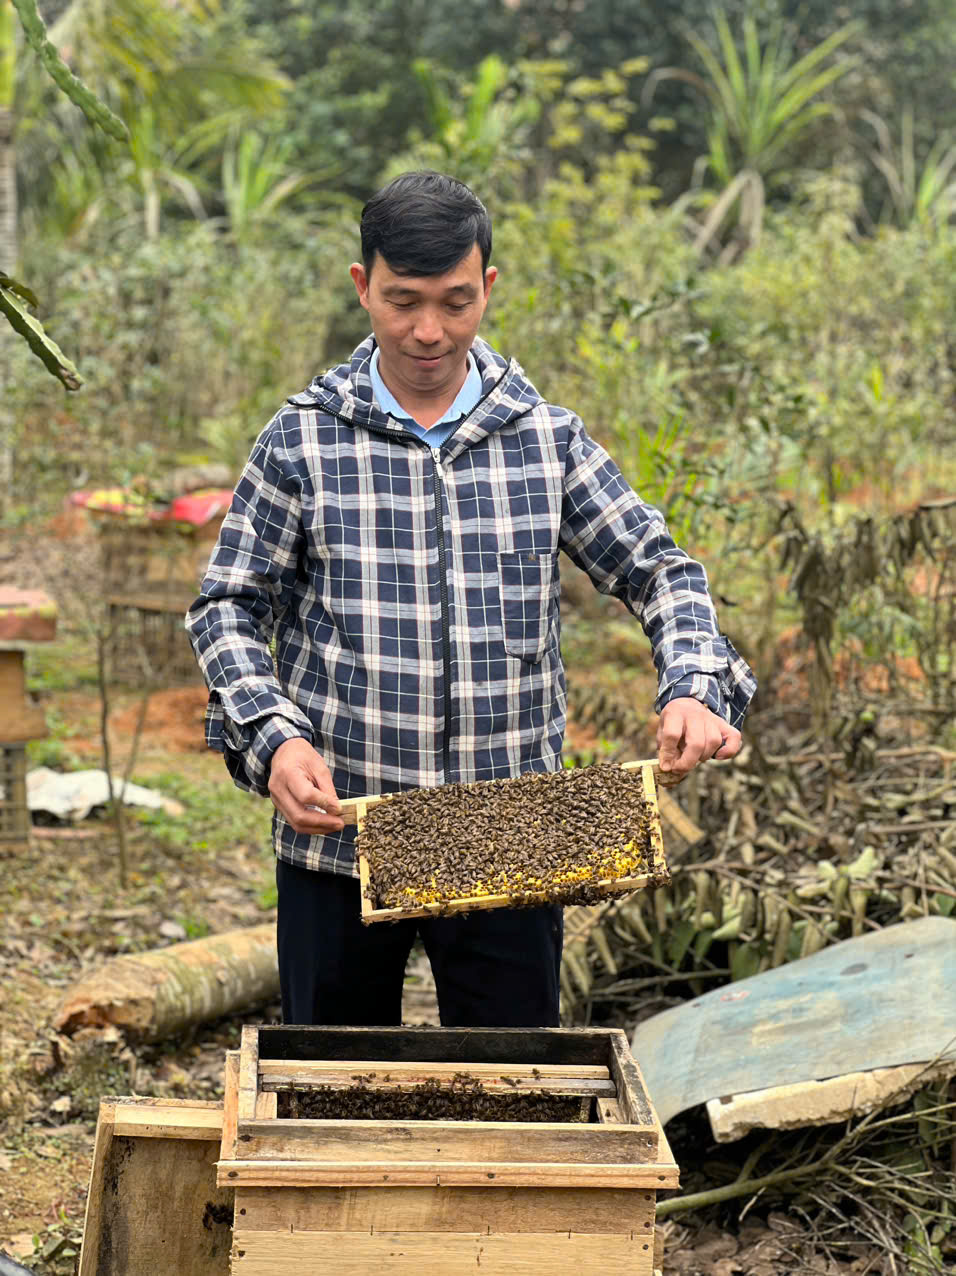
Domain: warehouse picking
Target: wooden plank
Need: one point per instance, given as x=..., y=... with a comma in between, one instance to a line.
x=230, y=1106
x=22, y=722
x=248, y=1072
x=655, y=1176
x=166, y=1122
x=452, y=1209
x=560, y=1078
x=659, y=868
x=93, y=1220
x=510, y=1046
x=359, y=1142
x=776, y=1028
x=365, y=890
x=439, y=1253
x=154, y=1205
x=473, y=903
x=610, y=1112
x=266, y=1106
x=631, y=1094
x=497, y=1084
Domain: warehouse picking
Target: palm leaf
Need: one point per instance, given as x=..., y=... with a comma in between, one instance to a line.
x=818, y=54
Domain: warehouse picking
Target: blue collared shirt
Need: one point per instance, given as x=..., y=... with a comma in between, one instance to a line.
x=465, y=400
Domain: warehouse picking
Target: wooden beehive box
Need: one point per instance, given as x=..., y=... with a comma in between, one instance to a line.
x=355, y=810
x=439, y=1197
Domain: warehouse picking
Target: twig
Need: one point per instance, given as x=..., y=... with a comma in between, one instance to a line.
x=116, y=803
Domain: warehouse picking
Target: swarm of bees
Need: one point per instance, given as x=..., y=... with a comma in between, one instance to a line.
x=464, y=1098
x=554, y=834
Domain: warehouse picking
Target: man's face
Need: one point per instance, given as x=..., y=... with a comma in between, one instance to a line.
x=424, y=324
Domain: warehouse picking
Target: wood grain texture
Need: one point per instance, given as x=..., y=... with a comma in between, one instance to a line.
x=248, y=1072
x=230, y=1106
x=439, y=1253
x=93, y=1220
x=262, y=1173
x=551, y=1078
x=437, y=1141
x=167, y=1122
x=609, y=1112
x=154, y=1206
x=631, y=1094
x=266, y=1106
x=446, y=1209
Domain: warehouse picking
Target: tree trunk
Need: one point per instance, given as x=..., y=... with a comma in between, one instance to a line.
x=151, y=996
x=8, y=168
x=8, y=228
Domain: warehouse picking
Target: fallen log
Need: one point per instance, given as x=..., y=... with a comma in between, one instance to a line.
x=153, y=995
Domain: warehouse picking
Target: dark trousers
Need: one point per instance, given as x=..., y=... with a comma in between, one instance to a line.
x=497, y=968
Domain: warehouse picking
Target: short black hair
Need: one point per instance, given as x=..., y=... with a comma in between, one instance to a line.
x=424, y=223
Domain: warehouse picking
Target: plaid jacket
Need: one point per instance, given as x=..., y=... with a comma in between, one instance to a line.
x=413, y=593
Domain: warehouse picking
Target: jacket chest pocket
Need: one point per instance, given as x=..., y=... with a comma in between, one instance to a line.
x=529, y=585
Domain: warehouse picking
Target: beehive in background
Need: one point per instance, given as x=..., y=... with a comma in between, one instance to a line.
x=153, y=560
x=27, y=617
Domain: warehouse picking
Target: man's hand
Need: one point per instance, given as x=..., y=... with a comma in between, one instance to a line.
x=689, y=733
x=299, y=782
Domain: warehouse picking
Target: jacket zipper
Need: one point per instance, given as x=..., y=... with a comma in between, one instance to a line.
x=445, y=617
x=438, y=480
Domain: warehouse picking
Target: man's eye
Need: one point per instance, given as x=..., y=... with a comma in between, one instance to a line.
x=458, y=305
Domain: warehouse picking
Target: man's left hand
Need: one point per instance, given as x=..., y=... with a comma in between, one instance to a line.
x=688, y=733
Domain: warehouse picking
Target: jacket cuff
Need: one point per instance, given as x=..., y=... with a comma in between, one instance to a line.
x=704, y=687
x=267, y=735
x=248, y=746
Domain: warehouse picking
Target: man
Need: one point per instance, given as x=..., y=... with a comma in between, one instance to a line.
x=396, y=530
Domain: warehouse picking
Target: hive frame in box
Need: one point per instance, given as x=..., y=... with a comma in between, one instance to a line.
x=356, y=808
x=437, y=1198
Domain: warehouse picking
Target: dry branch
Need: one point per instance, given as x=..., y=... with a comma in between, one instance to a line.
x=153, y=995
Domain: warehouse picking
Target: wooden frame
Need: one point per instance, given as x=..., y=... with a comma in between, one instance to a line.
x=442, y=1198
x=354, y=810
x=619, y=1150
x=153, y=1203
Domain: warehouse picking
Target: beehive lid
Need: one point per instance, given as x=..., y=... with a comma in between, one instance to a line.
x=26, y=616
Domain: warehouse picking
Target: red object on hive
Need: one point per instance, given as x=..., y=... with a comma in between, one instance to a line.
x=199, y=508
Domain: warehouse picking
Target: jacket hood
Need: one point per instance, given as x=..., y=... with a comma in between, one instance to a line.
x=346, y=392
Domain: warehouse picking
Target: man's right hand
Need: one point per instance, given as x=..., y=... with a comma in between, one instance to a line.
x=299, y=781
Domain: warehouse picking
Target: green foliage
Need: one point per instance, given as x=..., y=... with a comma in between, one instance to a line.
x=96, y=112
x=478, y=135
x=217, y=818
x=763, y=106
x=13, y=297
x=171, y=332
x=924, y=194
x=763, y=103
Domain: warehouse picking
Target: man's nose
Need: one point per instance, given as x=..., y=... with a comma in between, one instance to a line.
x=428, y=329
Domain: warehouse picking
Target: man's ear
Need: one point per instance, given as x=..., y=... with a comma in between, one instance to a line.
x=491, y=274
x=360, y=279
